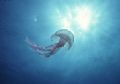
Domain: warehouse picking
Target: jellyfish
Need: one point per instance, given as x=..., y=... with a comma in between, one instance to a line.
x=64, y=37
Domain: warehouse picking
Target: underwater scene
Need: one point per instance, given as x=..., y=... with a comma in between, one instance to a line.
x=59, y=42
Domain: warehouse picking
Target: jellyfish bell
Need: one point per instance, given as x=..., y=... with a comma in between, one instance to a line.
x=65, y=36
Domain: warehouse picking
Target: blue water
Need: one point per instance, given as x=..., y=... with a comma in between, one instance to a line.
x=94, y=60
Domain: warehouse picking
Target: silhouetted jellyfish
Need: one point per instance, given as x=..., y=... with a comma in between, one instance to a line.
x=65, y=37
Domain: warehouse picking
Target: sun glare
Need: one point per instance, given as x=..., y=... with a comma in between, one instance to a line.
x=65, y=22
x=83, y=18
x=78, y=19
